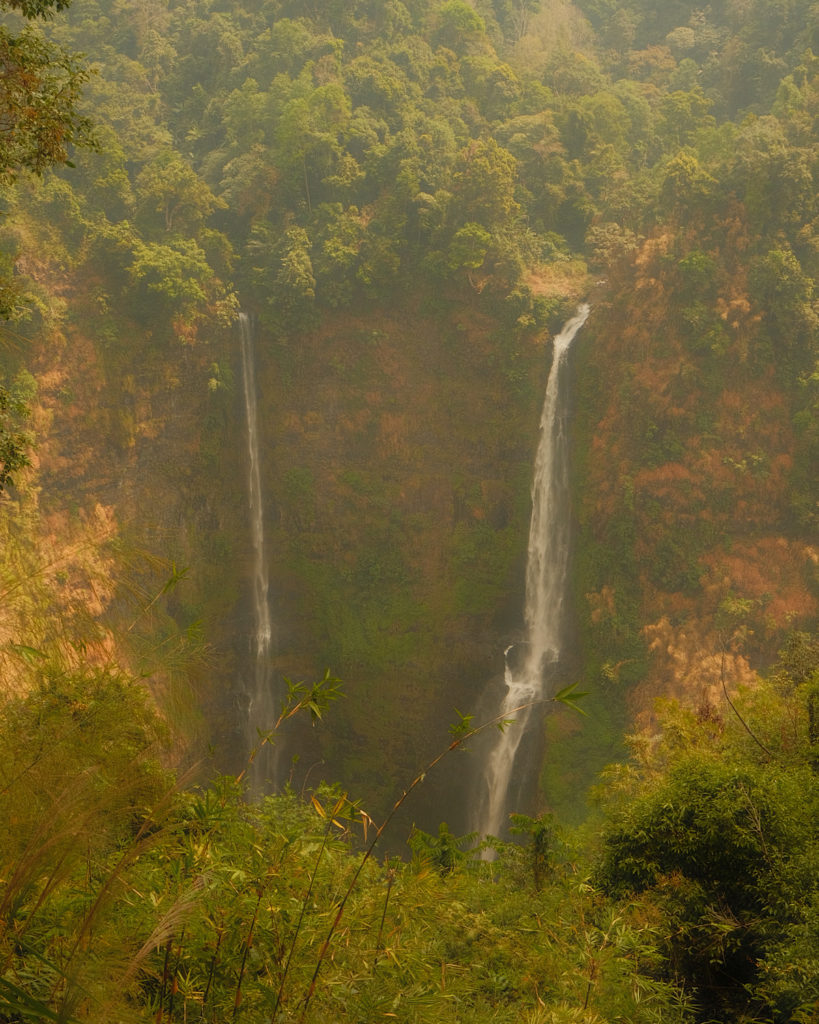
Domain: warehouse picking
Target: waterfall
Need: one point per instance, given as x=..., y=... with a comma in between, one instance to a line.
x=529, y=672
x=260, y=704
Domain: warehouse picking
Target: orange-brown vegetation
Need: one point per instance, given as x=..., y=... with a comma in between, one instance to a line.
x=690, y=456
x=772, y=573
x=688, y=662
x=566, y=280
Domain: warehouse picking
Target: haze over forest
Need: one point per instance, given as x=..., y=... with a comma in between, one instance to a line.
x=282, y=286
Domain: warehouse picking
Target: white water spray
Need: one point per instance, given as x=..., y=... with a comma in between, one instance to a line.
x=261, y=704
x=531, y=676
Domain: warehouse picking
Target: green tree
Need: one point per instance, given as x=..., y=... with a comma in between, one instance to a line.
x=39, y=93
x=519, y=16
x=483, y=184
x=444, y=851
x=168, y=186
x=178, y=271
x=785, y=297
x=338, y=252
x=682, y=115
x=40, y=123
x=308, y=139
x=686, y=183
x=282, y=270
x=461, y=28
x=468, y=248
x=80, y=778
x=716, y=828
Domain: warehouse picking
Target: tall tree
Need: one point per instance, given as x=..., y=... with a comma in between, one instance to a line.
x=40, y=87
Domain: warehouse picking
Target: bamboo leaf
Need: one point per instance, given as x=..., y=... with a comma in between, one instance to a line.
x=569, y=695
x=31, y=655
x=15, y=1000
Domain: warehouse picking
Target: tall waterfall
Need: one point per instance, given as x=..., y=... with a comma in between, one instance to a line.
x=261, y=709
x=530, y=667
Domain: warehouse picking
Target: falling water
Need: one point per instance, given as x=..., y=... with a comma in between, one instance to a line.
x=260, y=698
x=529, y=676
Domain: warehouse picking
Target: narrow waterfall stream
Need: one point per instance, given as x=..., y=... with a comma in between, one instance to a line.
x=261, y=704
x=531, y=666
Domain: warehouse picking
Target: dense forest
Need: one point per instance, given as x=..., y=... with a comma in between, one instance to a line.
x=407, y=200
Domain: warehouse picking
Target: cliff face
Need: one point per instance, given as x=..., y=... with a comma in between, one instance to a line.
x=694, y=563
x=404, y=213
x=396, y=463
x=398, y=450
x=130, y=524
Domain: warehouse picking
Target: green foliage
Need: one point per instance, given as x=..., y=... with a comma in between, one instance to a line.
x=460, y=27
x=286, y=270
x=15, y=440
x=344, y=150
x=176, y=271
x=183, y=903
x=39, y=100
x=542, y=834
x=686, y=183
x=80, y=757
x=169, y=187
x=785, y=294
x=39, y=109
x=569, y=696
x=483, y=184
x=443, y=851
x=483, y=558
x=468, y=248
x=716, y=828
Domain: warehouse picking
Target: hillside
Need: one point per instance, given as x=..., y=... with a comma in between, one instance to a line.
x=409, y=199
x=388, y=209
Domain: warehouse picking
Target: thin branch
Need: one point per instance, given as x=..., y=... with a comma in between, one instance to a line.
x=732, y=706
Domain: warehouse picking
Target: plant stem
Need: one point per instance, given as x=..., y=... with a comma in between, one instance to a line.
x=212, y=968
x=175, y=979
x=238, y=999
x=161, y=1008
x=390, y=882
x=302, y=912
